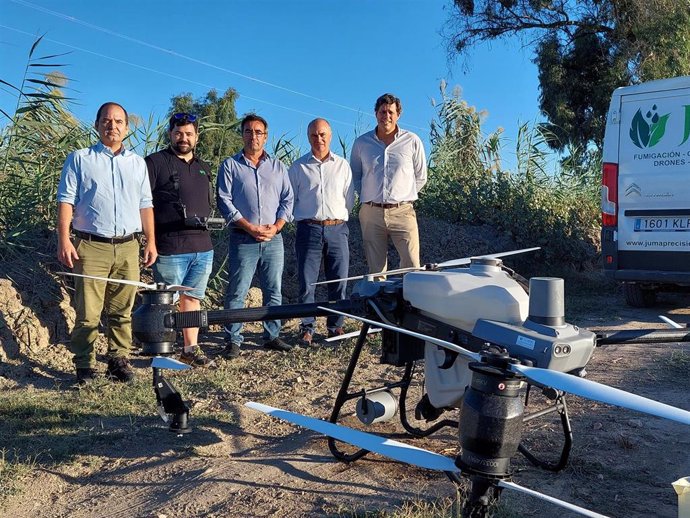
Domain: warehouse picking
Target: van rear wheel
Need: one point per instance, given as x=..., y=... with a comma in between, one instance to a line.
x=639, y=297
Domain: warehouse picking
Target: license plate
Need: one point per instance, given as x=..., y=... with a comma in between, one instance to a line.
x=672, y=224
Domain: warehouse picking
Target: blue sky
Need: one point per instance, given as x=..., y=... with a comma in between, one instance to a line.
x=289, y=60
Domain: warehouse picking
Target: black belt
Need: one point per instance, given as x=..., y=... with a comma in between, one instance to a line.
x=100, y=239
x=323, y=222
x=387, y=205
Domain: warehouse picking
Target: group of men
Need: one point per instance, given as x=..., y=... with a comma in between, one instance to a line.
x=109, y=194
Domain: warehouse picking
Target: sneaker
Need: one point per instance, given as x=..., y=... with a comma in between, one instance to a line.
x=86, y=376
x=306, y=337
x=232, y=350
x=196, y=358
x=278, y=345
x=119, y=369
x=338, y=331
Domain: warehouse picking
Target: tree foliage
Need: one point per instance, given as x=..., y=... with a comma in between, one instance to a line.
x=219, y=132
x=583, y=50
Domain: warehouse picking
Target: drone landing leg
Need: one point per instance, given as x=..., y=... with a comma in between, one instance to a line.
x=561, y=407
x=482, y=498
x=344, y=396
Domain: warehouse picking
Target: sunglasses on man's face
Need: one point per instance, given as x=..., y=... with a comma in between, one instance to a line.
x=188, y=117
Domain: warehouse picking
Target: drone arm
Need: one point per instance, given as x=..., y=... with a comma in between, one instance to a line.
x=642, y=336
x=203, y=319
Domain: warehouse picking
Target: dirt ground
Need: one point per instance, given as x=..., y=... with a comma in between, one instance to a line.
x=246, y=464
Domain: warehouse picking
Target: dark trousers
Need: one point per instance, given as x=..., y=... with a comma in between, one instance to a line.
x=312, y=244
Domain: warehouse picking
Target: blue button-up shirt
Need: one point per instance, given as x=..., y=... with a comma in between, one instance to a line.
x=261, y=195
x=388, y=174
x=323, y=189
x=106, y=190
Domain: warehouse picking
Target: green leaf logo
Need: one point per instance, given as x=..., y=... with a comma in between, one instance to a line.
x=639, y=130
x=647, y=130
x=686, y=131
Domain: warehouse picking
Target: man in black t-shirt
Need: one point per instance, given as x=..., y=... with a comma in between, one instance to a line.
x=181, y=189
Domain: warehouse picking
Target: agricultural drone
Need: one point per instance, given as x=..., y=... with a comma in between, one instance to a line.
x=485, y=344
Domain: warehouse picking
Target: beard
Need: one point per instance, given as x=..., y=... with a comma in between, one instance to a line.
x=181, y=149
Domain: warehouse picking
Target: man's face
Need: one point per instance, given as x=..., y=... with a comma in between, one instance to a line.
x=112, y=126
x=387, y=117
x=254, y=136
x=183, y=139
x=320, y=139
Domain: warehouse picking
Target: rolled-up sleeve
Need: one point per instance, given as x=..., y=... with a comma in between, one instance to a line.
x=287, y=198
x=224, y=194
x=68, y=188
x=419, y=159
x=146, y=199
x=356, y=166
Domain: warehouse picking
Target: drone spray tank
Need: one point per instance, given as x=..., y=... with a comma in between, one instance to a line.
x=460, y=298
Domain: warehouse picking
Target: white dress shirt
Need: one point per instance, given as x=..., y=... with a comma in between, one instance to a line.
x=322, y=189
x=388, y=174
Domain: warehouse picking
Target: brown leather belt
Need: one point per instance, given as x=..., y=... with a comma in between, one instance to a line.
x=387, y=205
x=100, y=239
x=323, y=222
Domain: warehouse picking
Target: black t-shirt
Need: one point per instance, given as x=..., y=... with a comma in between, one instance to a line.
x=194, y=178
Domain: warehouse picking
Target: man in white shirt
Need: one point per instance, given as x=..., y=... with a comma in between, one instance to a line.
x=324, y=195
x=388, y=169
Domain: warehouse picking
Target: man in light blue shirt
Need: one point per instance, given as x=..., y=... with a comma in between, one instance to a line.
x=389, y=169
x=324, y=195
x=104, y=193
x=255, y=198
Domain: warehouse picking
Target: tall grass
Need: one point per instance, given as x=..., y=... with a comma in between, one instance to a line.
x=541, y=203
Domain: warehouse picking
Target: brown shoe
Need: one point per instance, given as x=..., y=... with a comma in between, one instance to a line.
x=196, y=358
x=338, y=331
x=306, y=337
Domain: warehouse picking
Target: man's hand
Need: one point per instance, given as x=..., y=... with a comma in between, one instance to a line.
x=150, y=253
x=267, y=232
x=66, y=253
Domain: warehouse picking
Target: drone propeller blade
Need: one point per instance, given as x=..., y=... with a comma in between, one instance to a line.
x=603, y=393
x=177, y=287
x=116, y=281
x=448, y=345
x=672, y=323
x=447, y=264
x=387, y=447
x=467, y=260
x=571, y=507
x=351, y=335
x=161, y=362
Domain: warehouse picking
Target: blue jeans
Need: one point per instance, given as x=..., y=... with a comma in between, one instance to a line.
x=191, y=270
x=312, y=242
x=244, y=255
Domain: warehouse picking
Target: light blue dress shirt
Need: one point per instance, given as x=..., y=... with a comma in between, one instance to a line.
x=388, y=174
x=106, y=190
x=261, y=194
x=323, y=190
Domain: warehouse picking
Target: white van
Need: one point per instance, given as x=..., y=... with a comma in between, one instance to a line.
x=645, y=194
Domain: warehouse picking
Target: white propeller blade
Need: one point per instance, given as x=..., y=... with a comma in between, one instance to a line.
x=603, y=393
x=138, y=284
x=393, y=449
x=448, y=345
x=572, y=507
x=467, y=260
x=351, y=335
x=161, y=362
x=447, y=264
x=672, y=323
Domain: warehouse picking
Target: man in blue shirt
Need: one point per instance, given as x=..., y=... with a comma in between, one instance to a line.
x=324, y=195
x=255, y=198
x=104, y=192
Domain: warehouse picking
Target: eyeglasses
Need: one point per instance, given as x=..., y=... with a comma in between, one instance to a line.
x=258, y=133
x=185, y=117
